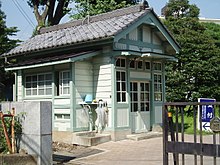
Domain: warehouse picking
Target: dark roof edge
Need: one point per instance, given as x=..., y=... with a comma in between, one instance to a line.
x=95, y=18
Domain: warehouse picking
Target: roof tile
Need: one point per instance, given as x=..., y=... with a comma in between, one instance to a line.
x=99, y=27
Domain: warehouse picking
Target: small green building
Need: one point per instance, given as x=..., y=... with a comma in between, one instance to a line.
x=118, y=57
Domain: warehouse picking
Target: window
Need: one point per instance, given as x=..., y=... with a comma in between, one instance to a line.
x=157, y=66
x=147, y=65
x=140, y=96
x=121, y=86
x=38, y=84
x=62, y=116
x=140, y=64
x=64, y=83
x=132, y=64
x=157, y=87
x=121, y=62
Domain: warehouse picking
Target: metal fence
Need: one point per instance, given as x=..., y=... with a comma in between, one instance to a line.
x=202, y=145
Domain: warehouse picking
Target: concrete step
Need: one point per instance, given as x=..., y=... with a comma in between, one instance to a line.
x=90, y=138
x=142, y=136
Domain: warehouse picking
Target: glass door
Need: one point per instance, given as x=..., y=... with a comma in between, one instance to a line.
x=140, y=106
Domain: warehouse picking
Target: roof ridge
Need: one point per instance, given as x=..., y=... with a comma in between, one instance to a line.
x=95, y=18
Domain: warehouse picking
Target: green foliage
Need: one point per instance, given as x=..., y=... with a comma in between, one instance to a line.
x=18, y=131
x=6, y=79
x=95, y=7
x=196, y=74
x=213, y=30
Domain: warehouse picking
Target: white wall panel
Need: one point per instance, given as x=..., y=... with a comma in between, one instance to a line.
x=122, y=118
x=140, y=75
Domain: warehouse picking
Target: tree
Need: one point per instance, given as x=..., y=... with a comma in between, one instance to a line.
x=196, y=74
x=93, y=7
x=6, y=79
x=49, y=12
x=213, y=30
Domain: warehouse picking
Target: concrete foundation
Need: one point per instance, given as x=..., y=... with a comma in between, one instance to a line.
x=36, y=118
x=17, y=159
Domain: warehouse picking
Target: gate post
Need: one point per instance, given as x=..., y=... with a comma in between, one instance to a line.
x=165, y=135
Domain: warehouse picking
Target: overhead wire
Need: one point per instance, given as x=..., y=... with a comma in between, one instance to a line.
x=27, y=18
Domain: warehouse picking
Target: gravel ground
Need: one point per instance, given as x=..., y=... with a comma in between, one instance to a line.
x=63, y=153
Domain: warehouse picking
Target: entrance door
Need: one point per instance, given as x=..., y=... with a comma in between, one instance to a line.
x=140, y=106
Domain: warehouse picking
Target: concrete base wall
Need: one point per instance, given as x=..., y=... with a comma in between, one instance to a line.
x=118, y=134
x=63, y=136
x=17, y=159
x=36, y=120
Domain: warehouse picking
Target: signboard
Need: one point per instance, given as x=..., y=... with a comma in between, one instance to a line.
x=215, y=124
x=207, y=113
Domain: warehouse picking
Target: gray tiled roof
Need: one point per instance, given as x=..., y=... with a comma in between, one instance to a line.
x=101, y=26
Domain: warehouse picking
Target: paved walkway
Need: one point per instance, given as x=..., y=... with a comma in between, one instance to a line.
x=125, y=152
x=129, y=152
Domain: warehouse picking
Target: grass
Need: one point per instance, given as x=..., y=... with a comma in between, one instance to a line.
x=188, y=124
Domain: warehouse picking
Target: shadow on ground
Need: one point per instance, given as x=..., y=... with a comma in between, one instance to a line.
x=60, y=158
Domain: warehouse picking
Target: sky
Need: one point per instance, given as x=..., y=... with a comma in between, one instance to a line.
x=15, y=18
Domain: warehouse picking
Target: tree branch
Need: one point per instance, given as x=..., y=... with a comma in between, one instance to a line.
x=59, y=13
x=50, y=11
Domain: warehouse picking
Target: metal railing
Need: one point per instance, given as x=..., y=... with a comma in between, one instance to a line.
x=202, y=146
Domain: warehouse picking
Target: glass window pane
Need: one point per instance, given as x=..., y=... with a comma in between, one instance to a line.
x=147, y=98
x=118, y=97
x=66, y=75
x=48, y=84
x=118, y=86
x=131, y=96
x=28, y=85
x=58, y=116
x=40, y=91
x=135, y=87
x=122, y=76
x=118, y=62
x=28, y=79
x=34, y=78
x=147, y=107
x=65, y=82
x=41, y=84
x=159, y=78
x=131, y=87
x=28, y=92
x=48, y=77
x=135, y=107
x=118, y=75
x=155, y=88
x=66, y=116
x=147, y=65
x=142, y=86
x=135, y=97
x=147, y=87
x=123, y=63
x=66, y=90
x=123, y=97
x=132, y=64
x=142, y=106
x=34, y=85
x=49, y=91
x=41, y=77
x=142, y=97
x=34, y=92
x=140, y=64
x=123, y=86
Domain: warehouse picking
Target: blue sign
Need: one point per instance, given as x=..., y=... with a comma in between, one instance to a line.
x=207, y=112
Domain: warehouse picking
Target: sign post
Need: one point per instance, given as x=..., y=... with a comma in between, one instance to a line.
x=207, y=113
